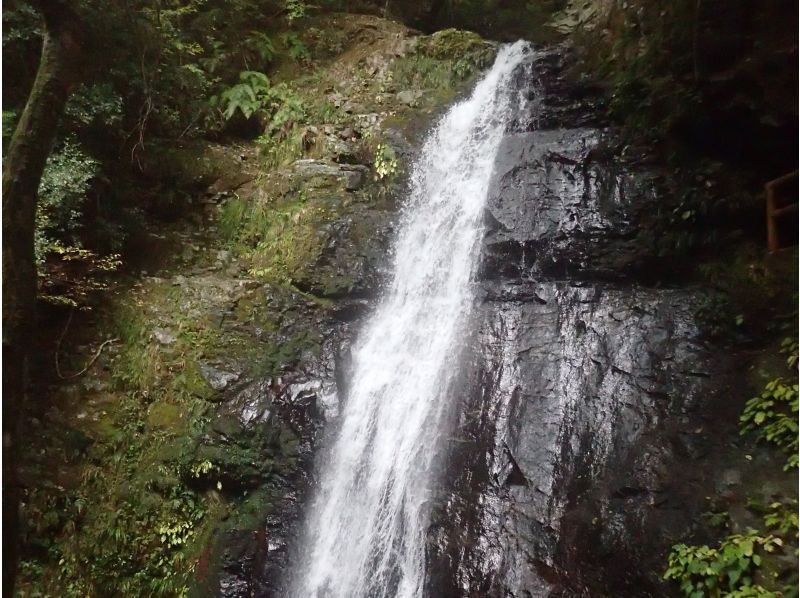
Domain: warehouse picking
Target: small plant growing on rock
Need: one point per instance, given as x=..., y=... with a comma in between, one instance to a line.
x=782, y=518
x=385, y=161
x=203, y=468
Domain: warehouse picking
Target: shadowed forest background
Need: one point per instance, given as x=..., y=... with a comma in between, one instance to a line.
x=191, y=194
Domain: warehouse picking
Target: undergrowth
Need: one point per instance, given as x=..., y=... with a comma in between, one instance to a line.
x=732, y=569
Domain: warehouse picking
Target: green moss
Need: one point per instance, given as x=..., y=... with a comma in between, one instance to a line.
x=442, y=63
x=281, y=238
x=450, y=44
x=165, y=417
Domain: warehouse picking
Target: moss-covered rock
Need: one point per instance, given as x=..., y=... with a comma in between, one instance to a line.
x=165, y=417
x=455, y=44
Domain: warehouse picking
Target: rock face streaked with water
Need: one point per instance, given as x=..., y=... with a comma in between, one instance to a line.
x=367, y=525
x=585, y=394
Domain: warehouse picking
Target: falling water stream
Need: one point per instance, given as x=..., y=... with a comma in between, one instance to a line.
x=366, y=525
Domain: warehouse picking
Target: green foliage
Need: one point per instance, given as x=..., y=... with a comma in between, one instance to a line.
x=442, y=61
x=280, y=242
x=715, y=316
x=296, y=48
x=772, y=418
x=281, y=149
x=20, y=23
x=782, y=518
x=132, y=524
x=296, y=9
x=9, y=124
x=646, y=53
x=772, y=415
x=730, y=569
x=325, y=43
x=718, y=519
x=136, y=545
x=63, y=193
x=261, y=45
x=385, y=161
x=286, y=108
x=450, y=44
x=98, y=104
x=789, y=347
x=280, y=106
x=140, y=367
x=202, y=468
x=75, y=275
x=423, y=72
x=726, y=571
x=69, y=273
x=248, y=96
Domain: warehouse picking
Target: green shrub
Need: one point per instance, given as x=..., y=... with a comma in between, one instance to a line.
x=63, y=193
x=782, y=518
x=97, y=104
x=279, y=105
x=772, y=417
x=296, y=48
x=260, y=44
x=726, y=571
x=248, y=96
x=385, y=161
x=442, y=61
x=454, y=44
x=287, y=109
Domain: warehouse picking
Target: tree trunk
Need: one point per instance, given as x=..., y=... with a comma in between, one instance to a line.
x=22, y=172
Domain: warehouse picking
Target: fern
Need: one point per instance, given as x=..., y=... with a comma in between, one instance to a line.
x=248, y=96
x=261, y=44
x=296, y=48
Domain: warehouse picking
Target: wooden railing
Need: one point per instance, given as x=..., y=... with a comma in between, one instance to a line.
x=779, y=204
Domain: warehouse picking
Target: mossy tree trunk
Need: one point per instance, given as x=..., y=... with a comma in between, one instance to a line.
x=30, y=145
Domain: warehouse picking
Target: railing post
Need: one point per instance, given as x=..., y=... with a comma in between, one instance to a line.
x=774, y=210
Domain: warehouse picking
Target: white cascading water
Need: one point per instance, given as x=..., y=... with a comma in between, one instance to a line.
x=366, y=526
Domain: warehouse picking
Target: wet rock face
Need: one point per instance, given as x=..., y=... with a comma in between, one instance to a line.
x=280, y=418
x=559, y=207
x=563, y=201
x=584, y=392
x=566, y=437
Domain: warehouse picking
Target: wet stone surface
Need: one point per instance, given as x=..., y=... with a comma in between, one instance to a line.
x=585, y=391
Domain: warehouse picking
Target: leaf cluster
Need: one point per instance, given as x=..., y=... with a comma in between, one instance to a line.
x=726, y=571
x=772, y=418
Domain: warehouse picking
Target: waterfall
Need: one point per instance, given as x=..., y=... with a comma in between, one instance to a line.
x=365, y=530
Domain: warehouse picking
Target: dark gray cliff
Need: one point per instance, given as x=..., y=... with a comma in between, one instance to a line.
x=585, y=392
